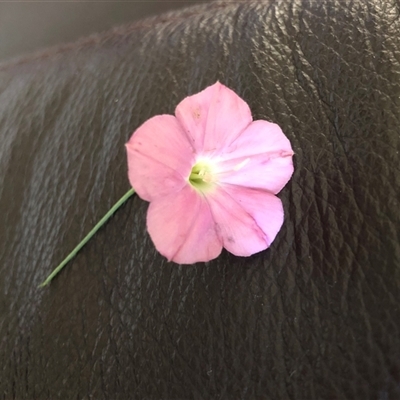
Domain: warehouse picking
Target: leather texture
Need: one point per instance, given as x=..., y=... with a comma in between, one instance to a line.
x=316, y=316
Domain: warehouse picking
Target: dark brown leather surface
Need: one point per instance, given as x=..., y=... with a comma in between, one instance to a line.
x=317, y=316
x=29, y=25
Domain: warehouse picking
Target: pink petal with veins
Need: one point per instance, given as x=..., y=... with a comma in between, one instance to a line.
x=261, y=157
x=247, y=220
x=182, y=228
x=213, y=118
x=160, y=157
x=235, y=167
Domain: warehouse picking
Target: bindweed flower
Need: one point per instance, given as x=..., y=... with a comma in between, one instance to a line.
x=210, y=174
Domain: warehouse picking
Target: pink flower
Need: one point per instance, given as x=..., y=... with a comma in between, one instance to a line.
x=210, y=174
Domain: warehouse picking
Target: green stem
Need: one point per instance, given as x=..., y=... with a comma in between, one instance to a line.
x=73, y=253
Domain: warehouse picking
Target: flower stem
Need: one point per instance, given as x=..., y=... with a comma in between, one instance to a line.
x=73, y=253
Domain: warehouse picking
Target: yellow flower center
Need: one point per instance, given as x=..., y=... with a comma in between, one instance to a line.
x=201, y=177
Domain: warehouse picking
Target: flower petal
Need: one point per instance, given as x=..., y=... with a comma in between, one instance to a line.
x=182, y=228
x=261, y=157
x=160, y=157
x=247, y=220
x=213, y=118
